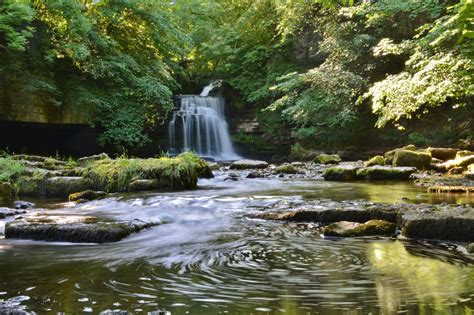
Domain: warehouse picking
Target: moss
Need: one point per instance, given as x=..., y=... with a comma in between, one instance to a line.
x=87, y=195
x=327, y=159
x=420, y=160
x=10, y=169
x=389, y=155
x=340, y=173
x=376, y=160
x=286, y=169
x=351, y=229
x=172, y=173
x=202, y=167
x=384, y=172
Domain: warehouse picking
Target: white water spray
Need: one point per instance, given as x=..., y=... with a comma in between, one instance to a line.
x=199, y=125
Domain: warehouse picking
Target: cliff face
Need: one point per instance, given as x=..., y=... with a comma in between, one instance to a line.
x=16, y=105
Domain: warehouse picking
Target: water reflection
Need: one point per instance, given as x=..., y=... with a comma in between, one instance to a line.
x=406, y=278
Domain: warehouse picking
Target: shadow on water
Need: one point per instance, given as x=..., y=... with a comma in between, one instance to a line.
x=208, y=258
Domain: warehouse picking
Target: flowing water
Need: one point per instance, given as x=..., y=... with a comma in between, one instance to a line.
x=200, y=126
x=209, y=258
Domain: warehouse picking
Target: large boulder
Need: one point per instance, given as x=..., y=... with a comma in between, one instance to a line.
x=6, y=191
x=443, y=154
x=72, y=229
x=384, y=172
x=340, y=173
x=354, y=229
x=327, y=159
x=448, y=223
x=420, y=160
x=389, y=155
x=376, y=160
x=248, y=164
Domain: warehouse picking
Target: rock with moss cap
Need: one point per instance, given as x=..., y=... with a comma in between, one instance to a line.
x=470, y=248
x=460, y=162
x=354, y=229
x=285, y=169
x=341, y=173
x=389, y=155
x=376, y=160
x=87, y=159
x=420, y=160
x=87, y=195
x=327, y=159
x=384, y=172
x=73, y=229
x=248, y=164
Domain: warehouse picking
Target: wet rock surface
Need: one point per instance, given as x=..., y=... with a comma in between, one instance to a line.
x=87, y=195
x=354, y=229
x=6, y=212
x=73, y=229
x=423, y=221
x=248, y=164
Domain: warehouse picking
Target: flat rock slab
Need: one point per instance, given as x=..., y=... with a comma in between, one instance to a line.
x=450, y=224
x=75, y=229
x=422, y=221
x=248, y=164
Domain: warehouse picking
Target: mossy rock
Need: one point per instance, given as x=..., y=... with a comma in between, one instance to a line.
x=389, y=155
x=87, y=195
x=60, y=186
x=248, y=164
x=340, y=173
x=420, y=160
x=72, y=229
x=88, y=159
x=354, y=229
x=470, y=248
x=285, y=169
x=144, y=185
x=384, y=172
x=376, y=160
x=170, y=173
x=327, y=159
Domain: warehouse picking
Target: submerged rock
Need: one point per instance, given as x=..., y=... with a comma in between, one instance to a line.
x=72, y=229
x=21, y=204
x=327, y=159
x=87, y=195
x=248, y=164
x=354, y=229
x=420, y=160
x=7, y=212
x=384, y=172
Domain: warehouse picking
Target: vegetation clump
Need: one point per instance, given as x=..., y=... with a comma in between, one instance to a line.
x=115, y=175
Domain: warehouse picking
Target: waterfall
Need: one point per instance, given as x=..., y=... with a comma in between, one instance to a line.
x=200, y=126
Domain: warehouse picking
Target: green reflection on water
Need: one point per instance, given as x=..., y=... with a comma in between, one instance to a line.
x=432, y=282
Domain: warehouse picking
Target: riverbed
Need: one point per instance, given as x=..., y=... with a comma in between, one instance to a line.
x=208, y=257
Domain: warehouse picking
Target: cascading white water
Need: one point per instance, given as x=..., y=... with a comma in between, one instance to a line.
x=199, y=125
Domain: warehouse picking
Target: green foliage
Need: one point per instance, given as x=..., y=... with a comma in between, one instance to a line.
x=438, y=72
x=10, y=169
